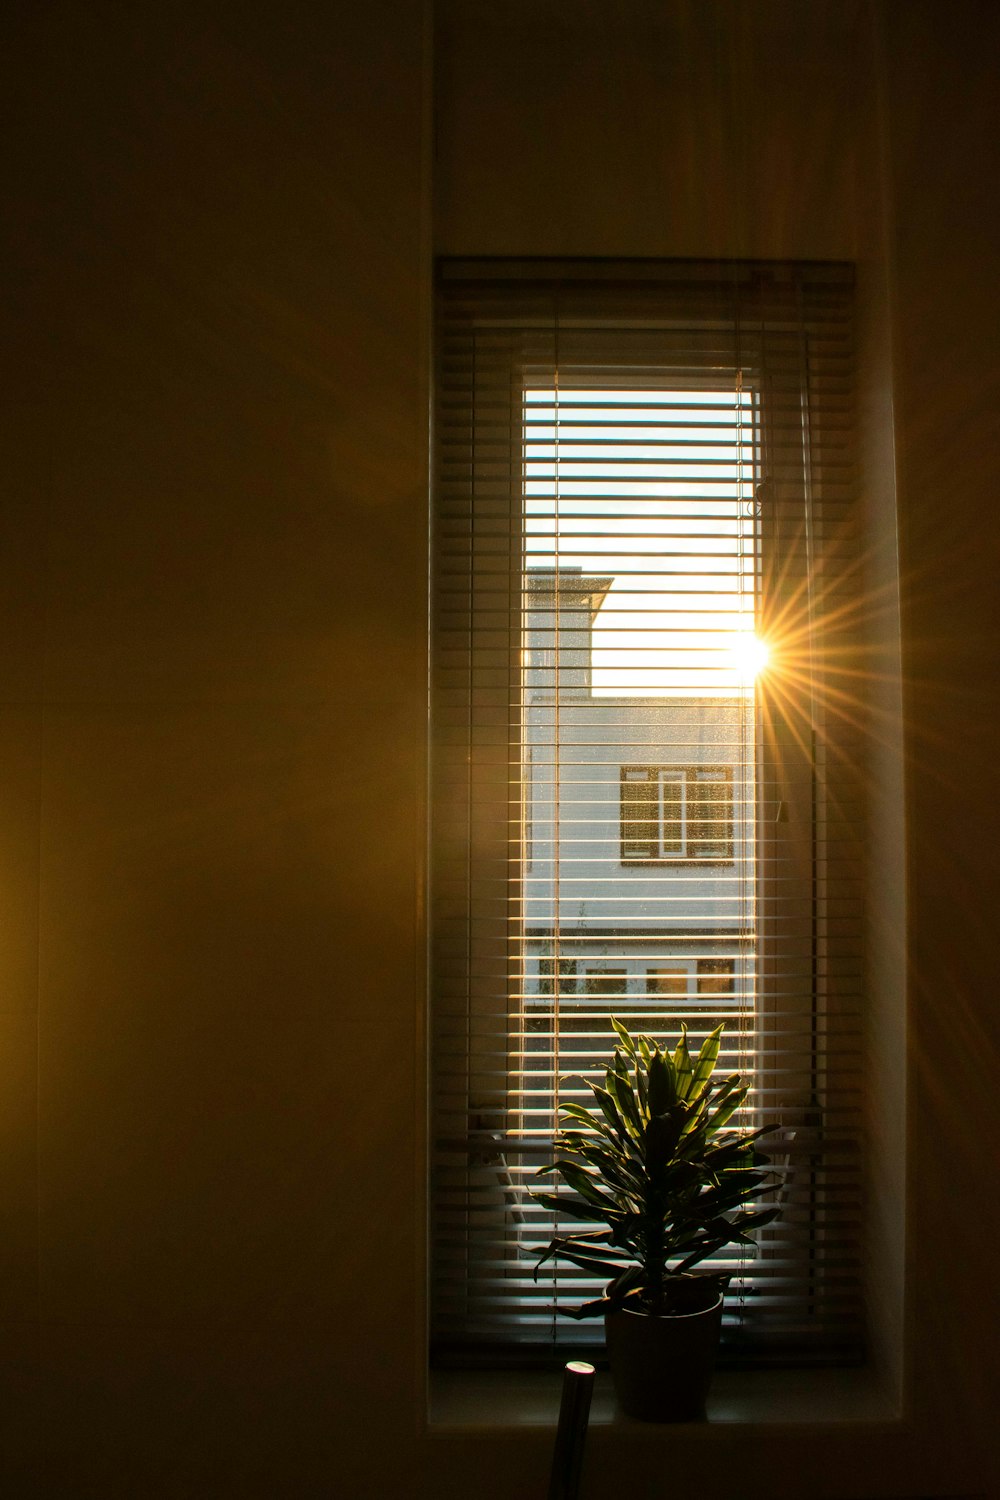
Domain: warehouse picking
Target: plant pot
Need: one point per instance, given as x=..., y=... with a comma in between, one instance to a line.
x=662, y=1366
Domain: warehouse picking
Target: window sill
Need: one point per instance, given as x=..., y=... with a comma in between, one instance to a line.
x=461, y=1401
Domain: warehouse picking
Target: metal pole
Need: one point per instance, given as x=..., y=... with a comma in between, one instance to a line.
x=574, y=1414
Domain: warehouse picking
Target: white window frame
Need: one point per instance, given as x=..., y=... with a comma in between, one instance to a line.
x=691, y=849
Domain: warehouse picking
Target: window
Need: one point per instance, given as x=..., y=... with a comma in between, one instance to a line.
x=688, y=979
x=549, y=968
x=676, y=812
x=607, y=982
x=644, y=472
x=668, y=979
x=715, y=976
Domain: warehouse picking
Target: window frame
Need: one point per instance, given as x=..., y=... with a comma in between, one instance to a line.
x=686, y=776
x=780, y=734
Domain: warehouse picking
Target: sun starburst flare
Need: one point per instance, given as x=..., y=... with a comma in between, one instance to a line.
x=749, y=655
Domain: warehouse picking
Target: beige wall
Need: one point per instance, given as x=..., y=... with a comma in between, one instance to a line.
x=213, y=686
x=212, y=642
x=944, y=141
x=637, y=127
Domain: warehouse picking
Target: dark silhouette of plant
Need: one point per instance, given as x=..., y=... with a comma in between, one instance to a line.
x=656, y=1168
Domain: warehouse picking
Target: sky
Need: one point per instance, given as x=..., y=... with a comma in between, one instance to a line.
x=655, y=488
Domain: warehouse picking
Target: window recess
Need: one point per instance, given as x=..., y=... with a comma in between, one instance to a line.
x=644, y=470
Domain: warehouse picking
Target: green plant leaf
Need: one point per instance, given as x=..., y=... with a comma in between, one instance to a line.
x=570, y=1208
x=662, y=1083
x=642, y=1087
x=692, y=1260
x=728, y=1106
x=758, y=1219
x=583, y=1116
x=583, y=1183
x=651, y=1170
x=609, y=1259
x=615, y=1170
x=587, y=1310
x=736, y=1148
x=619, y=1086
x=616, y=1290
x=729, y=1195
x=590, y=1263
x=609, y=1109
x=682, y=1062
x=662, y=1134
x=705, y=1066
x=625, y=1036
x=592, y=1242
x=544, y=1253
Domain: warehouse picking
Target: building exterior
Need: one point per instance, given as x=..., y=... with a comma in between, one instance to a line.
x=638, y=868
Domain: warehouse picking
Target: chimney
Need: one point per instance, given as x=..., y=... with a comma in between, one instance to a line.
x=559, y=610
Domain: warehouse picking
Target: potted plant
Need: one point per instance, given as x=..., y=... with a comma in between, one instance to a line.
x=668, y=1185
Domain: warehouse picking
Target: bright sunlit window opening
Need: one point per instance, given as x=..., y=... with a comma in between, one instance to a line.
x=653, y=489
x=750, y=655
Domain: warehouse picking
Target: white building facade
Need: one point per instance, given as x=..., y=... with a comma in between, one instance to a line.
x=637, y=887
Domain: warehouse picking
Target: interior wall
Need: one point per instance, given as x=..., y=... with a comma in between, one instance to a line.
x=212, y=626
x=212, y=634
x=885, y=1035
x=942, y=115
x=645, y=128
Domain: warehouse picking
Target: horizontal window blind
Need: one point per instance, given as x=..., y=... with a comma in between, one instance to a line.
x=645, y=482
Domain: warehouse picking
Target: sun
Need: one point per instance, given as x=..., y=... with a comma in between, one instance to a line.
x=749, y=655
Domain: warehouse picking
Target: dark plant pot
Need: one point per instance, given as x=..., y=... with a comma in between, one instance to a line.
x=662, y=1366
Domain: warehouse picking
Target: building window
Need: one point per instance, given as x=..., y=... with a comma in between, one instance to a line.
x=668, y=979
x=549, y=968
x=676, y=813
x=716, y=976
x=685, y=979
x=606, y=983
x=643, y=474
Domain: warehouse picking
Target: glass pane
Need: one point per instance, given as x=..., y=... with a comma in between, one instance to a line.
x=547, y=968
x=607, y=982
x=667, y=981
x=672, y=809
x=636, y=729
x=716, y=976
x=710, y=822
x=639, y=814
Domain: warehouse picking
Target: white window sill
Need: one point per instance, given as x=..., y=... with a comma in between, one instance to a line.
x=461, y=1401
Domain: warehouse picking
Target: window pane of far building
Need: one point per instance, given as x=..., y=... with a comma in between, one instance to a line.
x=606, y=982
x=716, y=976
x=667, y=980
x=672, y=805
